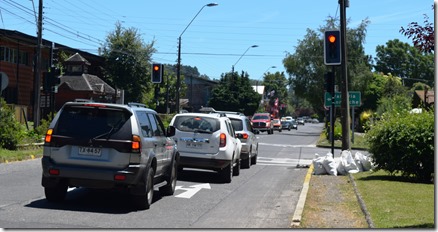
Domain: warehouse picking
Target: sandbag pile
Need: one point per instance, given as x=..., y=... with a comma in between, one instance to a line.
x=323, y=165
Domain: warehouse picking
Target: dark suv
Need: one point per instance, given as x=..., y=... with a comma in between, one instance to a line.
x=105, y=146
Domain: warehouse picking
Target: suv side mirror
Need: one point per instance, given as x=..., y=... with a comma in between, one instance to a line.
x=170, y=131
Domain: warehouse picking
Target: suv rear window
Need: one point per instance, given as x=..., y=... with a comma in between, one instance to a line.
x=237, y=124
x=197, y=124
x=91, y=122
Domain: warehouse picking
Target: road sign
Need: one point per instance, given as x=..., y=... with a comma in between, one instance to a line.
x=354, y=97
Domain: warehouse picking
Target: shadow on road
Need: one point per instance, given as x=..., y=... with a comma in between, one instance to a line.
x=91, y=200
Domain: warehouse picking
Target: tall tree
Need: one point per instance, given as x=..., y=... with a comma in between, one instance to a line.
x=128, y=61
x=235, y=93
x=403, y=60
x=275, y=87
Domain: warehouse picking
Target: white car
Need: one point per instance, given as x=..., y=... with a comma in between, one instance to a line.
x=207, y=141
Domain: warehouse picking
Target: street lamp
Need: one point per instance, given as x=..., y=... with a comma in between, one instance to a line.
x=232, y=68
x=178, y=66
x=269, y=68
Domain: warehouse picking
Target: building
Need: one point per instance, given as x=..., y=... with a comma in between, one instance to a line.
x=198, y=93
x=18, y=53
x=77, y=83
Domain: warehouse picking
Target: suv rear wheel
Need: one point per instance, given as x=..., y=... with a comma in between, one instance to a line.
x=227, y=173
x=144, y=201
x=169, y=188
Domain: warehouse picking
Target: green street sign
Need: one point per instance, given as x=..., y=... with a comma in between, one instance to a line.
x=354, y=97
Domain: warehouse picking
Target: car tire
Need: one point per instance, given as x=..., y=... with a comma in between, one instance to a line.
x=254, y=160
x=246, y=163
x=227, y=173
x=279, y=130
x=236, y=168
x=56, y=193
x=144, y=201
x=170, y=186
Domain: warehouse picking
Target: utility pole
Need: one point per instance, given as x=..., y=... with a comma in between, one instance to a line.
x=345, y=101
x=37, y=84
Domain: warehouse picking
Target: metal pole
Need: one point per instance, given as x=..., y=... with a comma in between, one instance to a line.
x=37, y=84
x=345, y=106
x=178, y=75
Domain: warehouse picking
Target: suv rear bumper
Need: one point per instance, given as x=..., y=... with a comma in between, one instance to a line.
x=90, y=177
x=203, y=163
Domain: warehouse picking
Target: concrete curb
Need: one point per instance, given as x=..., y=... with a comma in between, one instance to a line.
x=361, y=202
x=296, y=219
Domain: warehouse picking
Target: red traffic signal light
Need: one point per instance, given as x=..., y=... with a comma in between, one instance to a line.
x=332, y=47
x=157, y=73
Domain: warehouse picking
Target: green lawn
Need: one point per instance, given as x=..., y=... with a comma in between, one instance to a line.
x=394, y=202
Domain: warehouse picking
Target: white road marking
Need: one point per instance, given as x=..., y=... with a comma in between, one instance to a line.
x=192, y=190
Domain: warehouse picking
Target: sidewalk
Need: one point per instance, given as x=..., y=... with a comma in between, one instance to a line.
x=329, y=202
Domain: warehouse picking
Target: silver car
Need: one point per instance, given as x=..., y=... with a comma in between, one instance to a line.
x=105, y=146
x=245, y=132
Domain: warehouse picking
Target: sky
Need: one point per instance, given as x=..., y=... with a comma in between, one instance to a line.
x=219, y=36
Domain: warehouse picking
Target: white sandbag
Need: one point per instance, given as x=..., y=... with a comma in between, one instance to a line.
x=318, y=168
x=330, y=165
x=347, y=163
x=364, y=161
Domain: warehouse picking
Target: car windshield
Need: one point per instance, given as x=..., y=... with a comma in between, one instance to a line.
x=196, y=124
x=258, y=117
x=91, y=122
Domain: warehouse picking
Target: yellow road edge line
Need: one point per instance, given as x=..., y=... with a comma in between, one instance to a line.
x=296, y=219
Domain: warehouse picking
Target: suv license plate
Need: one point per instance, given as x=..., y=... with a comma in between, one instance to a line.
x=194, y=145
x=92, y=151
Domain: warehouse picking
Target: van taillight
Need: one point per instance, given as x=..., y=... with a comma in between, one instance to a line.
x=136, y=143
x=222, y=140
x=48, y=136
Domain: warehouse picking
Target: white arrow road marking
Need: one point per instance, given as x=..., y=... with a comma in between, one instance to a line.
x=192, y=190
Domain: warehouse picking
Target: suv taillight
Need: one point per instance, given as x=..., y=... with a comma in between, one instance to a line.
x=244, y=136
x=136, y=143
x=222, y=140
x=48, y=137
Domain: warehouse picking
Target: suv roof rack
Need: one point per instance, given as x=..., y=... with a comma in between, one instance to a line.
x=83, y=100
x=227, y=112
x=136, y=104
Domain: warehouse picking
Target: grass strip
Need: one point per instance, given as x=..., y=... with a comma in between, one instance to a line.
x=395, y=202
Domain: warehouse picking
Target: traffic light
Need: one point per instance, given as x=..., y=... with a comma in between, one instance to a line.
x=329, y=82
x=157, y=73
x=332, y=47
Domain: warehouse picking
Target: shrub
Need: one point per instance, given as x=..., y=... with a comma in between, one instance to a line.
x=404, y=142
x=337, y=131
x=10, y=130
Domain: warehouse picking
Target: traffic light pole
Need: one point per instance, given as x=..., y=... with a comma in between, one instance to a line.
x=345, y=106
x=332, y=113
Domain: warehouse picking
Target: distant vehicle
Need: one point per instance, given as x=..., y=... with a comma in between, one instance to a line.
x=245, y=133
x=262, y=122
x=300, y=121
x=314, y=120
x=207, y=141
x=295, y=125
x=277, y=124
x=105, y=146
x=287, y=125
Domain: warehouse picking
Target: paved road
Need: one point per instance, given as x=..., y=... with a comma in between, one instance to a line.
x=263, y=196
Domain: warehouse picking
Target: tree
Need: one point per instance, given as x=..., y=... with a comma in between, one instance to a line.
x=306, y=66
x=423, y=37
x=403, y=60
x=275, y=87
x=235, y=93
x=128, y=61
